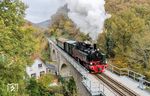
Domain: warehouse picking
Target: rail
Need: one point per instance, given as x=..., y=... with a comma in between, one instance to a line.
x=116, y=86
x=131, y=74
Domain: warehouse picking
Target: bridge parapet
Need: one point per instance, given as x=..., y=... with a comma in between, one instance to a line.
x=131, y=74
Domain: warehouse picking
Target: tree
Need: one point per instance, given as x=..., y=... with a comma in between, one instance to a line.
x=72, y=86
x=127, y=34
x=12, y=12
x=33, y=88
x=16, y=43
x=46, y=80
x=140, y=53
x=122, y=27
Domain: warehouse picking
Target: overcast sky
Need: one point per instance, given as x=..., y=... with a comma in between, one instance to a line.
x=41, y=10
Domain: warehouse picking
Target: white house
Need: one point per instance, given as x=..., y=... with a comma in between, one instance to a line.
x=37, y=69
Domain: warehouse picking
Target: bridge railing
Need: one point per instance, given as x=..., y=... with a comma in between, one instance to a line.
x=131, y=74
x=100, y=87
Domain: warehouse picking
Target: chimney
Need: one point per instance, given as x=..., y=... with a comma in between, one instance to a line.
x=94, y=45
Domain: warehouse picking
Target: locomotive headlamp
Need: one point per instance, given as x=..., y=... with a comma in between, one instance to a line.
x=106, y=61
x=91, y=63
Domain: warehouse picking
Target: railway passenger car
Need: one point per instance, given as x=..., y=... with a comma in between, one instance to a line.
x=86, y=54
x=70, y=45
x=61, y=42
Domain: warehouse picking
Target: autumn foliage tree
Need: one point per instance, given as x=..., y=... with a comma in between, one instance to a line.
x=127, y=33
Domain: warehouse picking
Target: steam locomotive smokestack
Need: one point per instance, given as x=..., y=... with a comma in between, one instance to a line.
x=94, y=45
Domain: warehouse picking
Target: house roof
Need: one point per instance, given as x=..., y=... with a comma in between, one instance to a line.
x=50, y=66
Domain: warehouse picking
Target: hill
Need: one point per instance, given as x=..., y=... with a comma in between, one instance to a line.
x=43, y=24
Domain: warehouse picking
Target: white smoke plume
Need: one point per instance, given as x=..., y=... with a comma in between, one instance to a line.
x=88, y=15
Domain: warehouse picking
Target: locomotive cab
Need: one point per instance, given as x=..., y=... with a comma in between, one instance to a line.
x=104, y=61
x=97, y=56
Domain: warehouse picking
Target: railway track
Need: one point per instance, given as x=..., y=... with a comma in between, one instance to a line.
x=120, y=89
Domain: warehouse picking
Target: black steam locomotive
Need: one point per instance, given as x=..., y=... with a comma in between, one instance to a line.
x=86, y=54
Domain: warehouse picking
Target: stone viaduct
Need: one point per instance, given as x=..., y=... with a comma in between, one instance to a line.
x=65, y=69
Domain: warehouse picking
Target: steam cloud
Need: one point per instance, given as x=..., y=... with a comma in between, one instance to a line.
x=88, y=15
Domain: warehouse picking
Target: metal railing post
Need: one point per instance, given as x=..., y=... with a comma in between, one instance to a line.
x=141, y=82
x=90, y=85
x=134, y=75
x=99, y=88
x=128, y=73
x=103, y=88
x=112, y=68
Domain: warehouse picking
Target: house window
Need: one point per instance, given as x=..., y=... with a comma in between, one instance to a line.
x=47, y=70
x=30, y=69
x=33, y=75
x=41, y=73
x=40, y=65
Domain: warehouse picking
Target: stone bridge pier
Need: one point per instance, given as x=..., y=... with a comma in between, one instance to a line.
x=65, y=69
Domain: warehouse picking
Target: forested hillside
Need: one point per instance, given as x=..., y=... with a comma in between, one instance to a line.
x=126, y=36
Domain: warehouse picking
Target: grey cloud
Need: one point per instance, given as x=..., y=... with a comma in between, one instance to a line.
x=40, y=10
